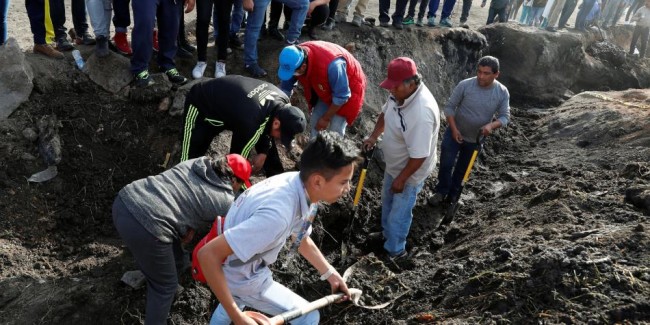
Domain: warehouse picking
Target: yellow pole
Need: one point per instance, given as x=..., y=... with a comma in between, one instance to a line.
x=357, y=195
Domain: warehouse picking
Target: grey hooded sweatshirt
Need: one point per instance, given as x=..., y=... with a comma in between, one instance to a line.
x=190, y=195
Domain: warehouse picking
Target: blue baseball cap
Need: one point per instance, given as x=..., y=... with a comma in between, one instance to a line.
x=291, y=58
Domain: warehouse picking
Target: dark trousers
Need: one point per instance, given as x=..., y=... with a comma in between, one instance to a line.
x=567, y=11
x=449, y=182
x=467, y=5
x=640, y=35
x=199, y=133
x=447, y=8
x=583, y=13
x=398, y=15
x=318, y=16
x=144, y=18
x=36, y=14
x=161, y=263
x=121, y=14
x=275, y=12
x=203, y=16
x=79, y=22
x=422, y=8
x=494, y=12
x=633, y=8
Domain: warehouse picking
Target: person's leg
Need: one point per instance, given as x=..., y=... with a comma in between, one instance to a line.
x=320, y=15
x=643, y=38
x=223, y=11
x=467, y=5
x=122, y=17
x=203, y=13
x=79, y=17
x=144, y=15
x=386, y=204
x=503, y=15
x=100, y=12
x=447, y=8
x=360, y=8
x=36, y=14
x=554, y=16
x=278, y=299
x=253, y=26
x=400, y=217
x=567, y=11
x=57, y=14
x=583, y=13
x=384, y=8
x=635, y=38
x=464, y=156
x=433, y=7
x=236, y=18
x=275, y=13
x=411, y=8
x=423, y=8
x=4, y=9
x=168, y=21
x=197, y=132
x=449, y=149
x=299, y=13
x=398, y=15
x=337, y=124
x=491, y=14
x=220, y=317
x=273, y=164
x=155, y=260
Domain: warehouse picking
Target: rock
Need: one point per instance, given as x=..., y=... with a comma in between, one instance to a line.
x=30, y=134
x=111, y=73
x=164, y=104
x=639, y=196
x=134, y=279
x=27, y=156
x=178, y=104
x=154, y=92
x=510, y=176
x=49, y=142
x=16, y=78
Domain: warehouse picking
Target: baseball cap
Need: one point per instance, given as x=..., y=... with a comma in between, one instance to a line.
x=241, y=167
x=292, y=122
x=291, y=57
x=399, y=69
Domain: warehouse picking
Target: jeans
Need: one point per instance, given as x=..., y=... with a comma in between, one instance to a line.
x=467, y=5
x=397, y=214
x=525, y=12
x=447, y=8
x=256, y=18
x=100, y=12
x=4, y=8
x=493, y=12
x=583, y=13
x=236, y=18
x=275, y=300
x=422, y=8
x=159, y=262
x=145, y=13
x=449, y=184
x=337, y=124
x=567, y=11
x=398, y=15
x=36, y=14
x=122, y=17
x=57, y=11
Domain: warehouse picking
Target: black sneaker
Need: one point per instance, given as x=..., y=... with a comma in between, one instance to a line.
x=62, y=44
x=275, y=34
x=255, y=70
x=142, y=79
x=397, y=25
x=329, y=24
x=235, y=42
x=183, y=53
x=101, y=48
x=175, y=77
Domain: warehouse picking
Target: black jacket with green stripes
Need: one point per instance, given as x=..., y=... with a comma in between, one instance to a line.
x=243, y=105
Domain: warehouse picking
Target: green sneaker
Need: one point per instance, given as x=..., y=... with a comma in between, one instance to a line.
x=175, y=77
x=408, y=21
x=142, y=79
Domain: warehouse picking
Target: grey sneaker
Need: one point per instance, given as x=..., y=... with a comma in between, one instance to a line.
x=357, y=21
x=329, y=24
x=341, y=17
x=431, y=21
x=384, y=24
x=420, y=22
x=437, y=199
x=220, y=69
x=445, y=23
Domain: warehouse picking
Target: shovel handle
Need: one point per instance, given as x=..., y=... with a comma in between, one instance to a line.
x=357, y=195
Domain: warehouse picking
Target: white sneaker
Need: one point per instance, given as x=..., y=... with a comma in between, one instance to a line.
x=220, y=69
x=199, y=69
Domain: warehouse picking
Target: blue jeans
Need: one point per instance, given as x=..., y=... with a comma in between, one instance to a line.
x=4, y=8
x=256, y=18
x=447, y=7
x=236, y=18
x=583, y=13
x=100, y=12
x=448, y=183
x=493, y=13
x=275, y=300
x=397, y=213
x=337, y=124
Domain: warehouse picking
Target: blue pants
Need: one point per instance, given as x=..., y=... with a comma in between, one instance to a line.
x=159, y=262
x=256, y=18
x=4, y=8
x=36, y=14
x=338, y=123
x=448, y=183
x=447, y=8
x=493, y=13
x=583, y=13
x=398, y=15
x=397, y=214
x=144, y=18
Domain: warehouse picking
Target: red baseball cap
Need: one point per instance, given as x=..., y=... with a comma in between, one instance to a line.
x=241, y=167
x=399, y=70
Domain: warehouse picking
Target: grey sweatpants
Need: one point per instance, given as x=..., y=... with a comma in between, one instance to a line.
x=158, y=261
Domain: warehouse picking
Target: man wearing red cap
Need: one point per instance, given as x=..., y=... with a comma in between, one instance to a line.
x=156, y=215
x=410, y=120
x=334, y=83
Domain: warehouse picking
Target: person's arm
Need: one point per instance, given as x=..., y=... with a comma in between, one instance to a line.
x=314, y=4
x=411, y=167
x=450, y=110
x=287, y=86
x=210, y=258
x=503, y=116
x=371, y=140
x=313, y=255
x=339, y=84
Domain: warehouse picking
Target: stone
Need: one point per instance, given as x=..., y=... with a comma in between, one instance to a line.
x=111, y=73
x=30, y=134
x=16, y=78
x=134, y=279
x=639, y=196
x=155, y=92
x=178, y=104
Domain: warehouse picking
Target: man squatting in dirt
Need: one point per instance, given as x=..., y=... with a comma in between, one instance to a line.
x=256, y=112
x=334, y=83
x=469, y=110
x=156, y=215
x=409, y=121
x=236, y=263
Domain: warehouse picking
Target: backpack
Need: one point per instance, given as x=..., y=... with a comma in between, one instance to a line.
x=215, y=231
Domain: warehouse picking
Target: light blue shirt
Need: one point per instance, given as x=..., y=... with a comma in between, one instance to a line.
x=337, y=77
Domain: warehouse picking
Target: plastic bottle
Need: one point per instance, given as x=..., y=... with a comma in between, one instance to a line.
x=78, y=59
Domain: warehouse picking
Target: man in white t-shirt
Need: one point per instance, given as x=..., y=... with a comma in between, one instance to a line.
x=235, y=264
x=410, y=120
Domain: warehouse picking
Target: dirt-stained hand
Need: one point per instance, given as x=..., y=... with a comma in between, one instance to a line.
x=369, y=143
x=338, y=285
x=322, y=124
x=398, y=185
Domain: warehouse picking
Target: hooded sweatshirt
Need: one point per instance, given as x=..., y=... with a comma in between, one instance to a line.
x=190, y=195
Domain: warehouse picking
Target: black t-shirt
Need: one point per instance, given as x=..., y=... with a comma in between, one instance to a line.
x=245, y=106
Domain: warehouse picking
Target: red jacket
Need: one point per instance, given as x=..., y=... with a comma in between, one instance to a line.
x=319, y=55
